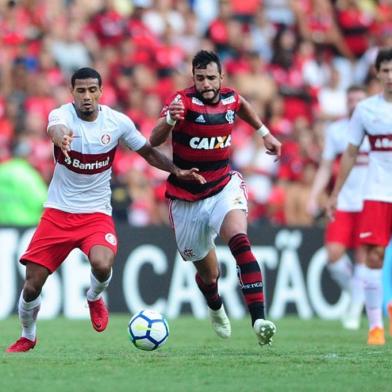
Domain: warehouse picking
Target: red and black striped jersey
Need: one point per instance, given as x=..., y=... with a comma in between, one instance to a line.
x=202, y=140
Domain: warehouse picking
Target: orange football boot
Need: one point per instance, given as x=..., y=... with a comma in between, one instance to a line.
x=376, y=336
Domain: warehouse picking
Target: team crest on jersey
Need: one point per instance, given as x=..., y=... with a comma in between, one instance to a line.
x=105, y=139
x=188, y=253
x=230, y=116
x=111, y=238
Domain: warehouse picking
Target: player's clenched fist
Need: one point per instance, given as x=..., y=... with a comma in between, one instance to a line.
x=176, y=109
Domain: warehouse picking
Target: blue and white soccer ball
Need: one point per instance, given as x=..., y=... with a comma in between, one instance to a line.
x=148, y=330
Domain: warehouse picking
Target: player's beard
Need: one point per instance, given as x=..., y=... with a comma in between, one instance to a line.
x=209, y=101
x=87, y=113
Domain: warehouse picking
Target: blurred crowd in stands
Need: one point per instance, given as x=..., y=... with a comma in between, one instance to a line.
x=292, y=59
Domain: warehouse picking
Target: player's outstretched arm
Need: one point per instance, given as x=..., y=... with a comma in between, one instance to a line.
x=248, y=114
x=159, y=160
x=61, y=137
x=346, y=164
x=320, y=183
x=160, y=132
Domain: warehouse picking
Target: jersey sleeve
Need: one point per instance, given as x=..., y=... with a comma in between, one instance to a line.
x=130, y=134
x=58, y=116
x=356, y=128
x=329, y=151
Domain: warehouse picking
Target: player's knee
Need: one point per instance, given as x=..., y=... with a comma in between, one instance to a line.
x=375, y=257
x=334, y=254
x=209, y=277
x=102, y=265
x=31, y=290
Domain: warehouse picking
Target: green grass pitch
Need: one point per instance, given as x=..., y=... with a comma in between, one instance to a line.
x=307, y=355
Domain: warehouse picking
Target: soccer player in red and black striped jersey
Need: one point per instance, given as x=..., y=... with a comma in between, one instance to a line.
x=200, y=120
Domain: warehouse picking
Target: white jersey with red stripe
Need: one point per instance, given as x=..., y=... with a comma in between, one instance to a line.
x=373, y=117
x=336, y=141
x=81, y=184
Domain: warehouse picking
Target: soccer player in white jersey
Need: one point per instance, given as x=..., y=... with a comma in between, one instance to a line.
x=373, y=117
x=77, y=213
x=342, y=232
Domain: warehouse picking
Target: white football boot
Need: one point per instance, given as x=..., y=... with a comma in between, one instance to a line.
x=264, y=330
x=220, y=322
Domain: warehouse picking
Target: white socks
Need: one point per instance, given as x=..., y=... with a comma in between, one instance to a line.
x=94, y=293
x=28, y=312
x=341, y=272
x=373, y=297
x=358, y=284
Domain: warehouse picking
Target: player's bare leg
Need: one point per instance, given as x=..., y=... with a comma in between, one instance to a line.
x=101, y=259
x=233, y=232
x=28, y=307
x=207, y=280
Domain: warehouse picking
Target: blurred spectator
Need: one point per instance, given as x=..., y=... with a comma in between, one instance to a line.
x=262, y=32
x=206, y=12
x=297, y=196
x=275, y=208
x=287, y=72
x=279, y=12
x=164, y=14
x=259, y=169
x=255, y=80
x=22, y=190
x=316, y=22
x=355, y=23
x=245, y=11
x=67, y=47
x=332, y=98
x=108, y=25
x=218, y=31
x=291, y=58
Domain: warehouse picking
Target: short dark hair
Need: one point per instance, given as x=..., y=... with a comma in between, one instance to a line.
x=384, y=54
x=355, y=88
x=86, y=73
x=203, y=58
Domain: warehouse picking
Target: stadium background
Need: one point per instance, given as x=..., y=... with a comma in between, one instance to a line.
x=292, y=59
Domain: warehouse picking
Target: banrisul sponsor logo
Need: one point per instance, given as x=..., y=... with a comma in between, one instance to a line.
x=76, y=163
x=210, y=143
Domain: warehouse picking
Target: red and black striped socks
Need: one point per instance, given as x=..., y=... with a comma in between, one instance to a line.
x=210, y=292
x=249, y=275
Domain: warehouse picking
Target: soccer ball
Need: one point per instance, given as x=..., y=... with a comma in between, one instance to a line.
x=148, y=330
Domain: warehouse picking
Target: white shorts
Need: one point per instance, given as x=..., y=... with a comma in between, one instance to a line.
x=196, y=224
